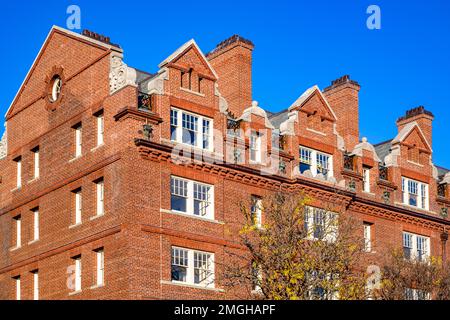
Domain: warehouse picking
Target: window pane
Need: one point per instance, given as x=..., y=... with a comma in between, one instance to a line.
x=202, y=268
x=206, y=133
x=201, y=199
x=179, y=264
x=179, y=194
x=190, y=129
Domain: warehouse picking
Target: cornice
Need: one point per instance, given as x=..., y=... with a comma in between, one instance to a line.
x=328, y=192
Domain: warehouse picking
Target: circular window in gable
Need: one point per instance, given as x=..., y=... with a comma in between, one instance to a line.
x=56, y=85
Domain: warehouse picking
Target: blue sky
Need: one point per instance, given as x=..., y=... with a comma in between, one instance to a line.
x=298, y=44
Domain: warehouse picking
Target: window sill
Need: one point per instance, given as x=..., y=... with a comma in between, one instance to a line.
x=97, y=286
x=97, y=147
x=15, y=248
x=75, y=159
x=368, y=193
x=415, y=163
x=75, y=225
x=187, y=215
x=193, y=92
x=16, y=189
x=190, y=285
x=317, y=132
x=33, y=241
x=97, y=217
x=408, y=206
x=188, y=146
x=75, y=292
x=33, y=180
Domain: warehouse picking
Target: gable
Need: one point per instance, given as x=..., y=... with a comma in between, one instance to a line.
x=62, y=50
x=416, y=138
x=411, y=134
x=316, y=107
x=313, y=102
x=189, y=56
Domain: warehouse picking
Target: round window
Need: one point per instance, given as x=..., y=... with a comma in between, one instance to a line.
x=56, y=89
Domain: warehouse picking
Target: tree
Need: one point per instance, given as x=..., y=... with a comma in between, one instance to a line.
x=299, y=252
x=403, y=278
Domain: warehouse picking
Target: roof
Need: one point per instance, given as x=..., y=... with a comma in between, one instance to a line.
x=278, y=118
x=442, y=171
x=383, y=149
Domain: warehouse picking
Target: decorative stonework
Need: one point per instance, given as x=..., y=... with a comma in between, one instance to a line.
x=156, y=84
x=56, y=72
x=365, y=145
x=120, y=74
x=256, y=110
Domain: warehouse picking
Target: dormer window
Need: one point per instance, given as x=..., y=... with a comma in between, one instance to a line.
x=316, y=162
x=56, y=86
x=415, y=193
x=191, y=129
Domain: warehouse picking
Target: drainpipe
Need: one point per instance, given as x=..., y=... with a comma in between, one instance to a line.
x=444, y=238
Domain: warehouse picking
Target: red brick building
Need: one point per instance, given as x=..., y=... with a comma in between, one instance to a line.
x=120, y=184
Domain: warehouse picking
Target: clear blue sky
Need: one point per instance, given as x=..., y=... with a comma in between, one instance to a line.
x=298, y=44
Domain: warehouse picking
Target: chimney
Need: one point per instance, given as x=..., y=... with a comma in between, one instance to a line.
x=232, y=60
x=424, y=119
x=343, y=97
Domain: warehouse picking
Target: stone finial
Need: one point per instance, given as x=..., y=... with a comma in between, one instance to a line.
x=364, y=140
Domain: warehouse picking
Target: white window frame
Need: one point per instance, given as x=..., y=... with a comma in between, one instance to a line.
x=18, y=288
x=190, y=268
x=255, y=147
x=18, y=222
x=78, y=207
x=36, y=162
x=256, y=211
x=78, y=140
x=366, y=179
x=35, y=285
x=312, y=215
x=314, y=159
x=35, y=224
x=367, y=237
x=100, y=129
x=199, y=133
x=413, y=294
x=100, y=267
x=100, y=198
x=78, y=273
x=19, y=172
x=412, y=240
x=190, y=200
x=419, y=189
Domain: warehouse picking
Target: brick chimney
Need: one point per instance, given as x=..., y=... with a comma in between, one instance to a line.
x=343, y=97
x=423, y=117
x=232, y=60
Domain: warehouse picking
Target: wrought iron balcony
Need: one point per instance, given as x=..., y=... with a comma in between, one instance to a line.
x=441, y=190
x=383, y=173
x=349, y=162
x=145, y=102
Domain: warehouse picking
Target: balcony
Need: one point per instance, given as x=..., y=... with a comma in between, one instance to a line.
x=145, y=102
x=441, y=190
x=383, y=173
x=349, y=163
